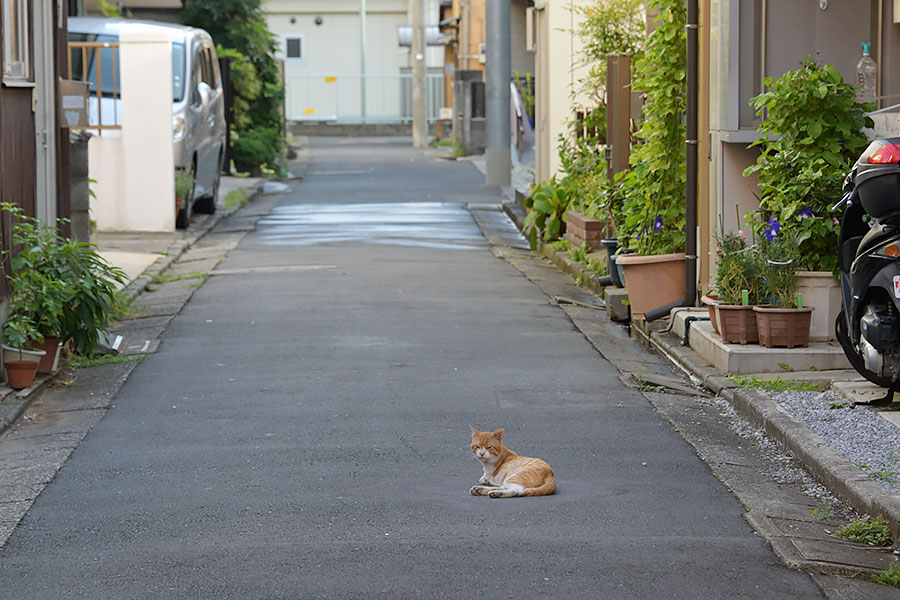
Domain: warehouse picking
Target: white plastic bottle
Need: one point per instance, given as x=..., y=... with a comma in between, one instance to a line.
x=866, y=76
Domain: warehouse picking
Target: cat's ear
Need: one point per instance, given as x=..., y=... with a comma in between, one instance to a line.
x=474, y=431
x=498, y=434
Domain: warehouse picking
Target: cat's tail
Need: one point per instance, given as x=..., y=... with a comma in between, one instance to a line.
x=545, y=489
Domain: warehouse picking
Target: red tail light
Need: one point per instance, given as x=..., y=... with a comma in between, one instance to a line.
x=888, y=155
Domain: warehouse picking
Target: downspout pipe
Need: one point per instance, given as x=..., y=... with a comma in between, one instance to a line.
x=691, y=143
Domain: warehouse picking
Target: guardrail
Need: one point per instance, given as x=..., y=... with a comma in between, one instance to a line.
x=359, y=98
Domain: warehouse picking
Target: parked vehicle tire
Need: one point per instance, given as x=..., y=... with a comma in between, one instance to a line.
x=856, y=361
x=207, y=204
x=183, y=218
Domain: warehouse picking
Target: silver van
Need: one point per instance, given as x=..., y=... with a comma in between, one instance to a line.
x=198, y=101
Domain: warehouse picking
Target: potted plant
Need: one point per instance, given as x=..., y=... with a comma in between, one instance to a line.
x=811, y=133
x=737, y=284
x=20, y=358
x=653, y=188
x=785, y=321
x=59, y=285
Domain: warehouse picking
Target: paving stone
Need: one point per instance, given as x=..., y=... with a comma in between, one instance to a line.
x=844, y=554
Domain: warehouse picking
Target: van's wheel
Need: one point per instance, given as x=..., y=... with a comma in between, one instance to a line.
x=183, y=217
x=207, y=204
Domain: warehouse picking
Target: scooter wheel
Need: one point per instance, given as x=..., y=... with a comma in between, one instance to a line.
x=856, y=361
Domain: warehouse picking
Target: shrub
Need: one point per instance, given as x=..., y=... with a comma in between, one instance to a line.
x=239, y=28
x=810, y=136
x=58, y=286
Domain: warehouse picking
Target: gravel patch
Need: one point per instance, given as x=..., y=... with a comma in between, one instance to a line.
x=783, y=468
x=858, y=434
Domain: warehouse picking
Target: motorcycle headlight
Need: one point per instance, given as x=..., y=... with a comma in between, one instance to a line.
x=178, y=128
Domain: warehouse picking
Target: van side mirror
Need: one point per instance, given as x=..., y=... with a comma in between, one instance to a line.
x=204, y=93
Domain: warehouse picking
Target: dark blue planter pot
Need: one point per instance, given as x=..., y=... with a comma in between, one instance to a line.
x=615, y=271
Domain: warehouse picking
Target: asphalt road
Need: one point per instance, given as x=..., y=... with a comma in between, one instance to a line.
x=303, y=429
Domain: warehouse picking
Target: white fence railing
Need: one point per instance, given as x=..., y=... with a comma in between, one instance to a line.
x=358, y=98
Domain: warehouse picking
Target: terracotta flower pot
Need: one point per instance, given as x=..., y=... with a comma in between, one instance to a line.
x=737, y=324
x=15, y=354
x=711, y=301
x=48, y=362
x=20, y=373
x=787, y=327
x=652, y=281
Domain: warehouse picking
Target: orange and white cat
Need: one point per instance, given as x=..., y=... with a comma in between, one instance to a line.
x=506, y=474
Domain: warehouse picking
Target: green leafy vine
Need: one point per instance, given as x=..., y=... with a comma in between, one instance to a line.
x=654, y=187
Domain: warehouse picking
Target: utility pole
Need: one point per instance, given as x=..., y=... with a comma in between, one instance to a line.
x=496, y=94
x=419, y=125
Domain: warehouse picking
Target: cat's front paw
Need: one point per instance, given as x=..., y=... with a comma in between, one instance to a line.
x=495, y=494
x=477, y=490
x=483, y=480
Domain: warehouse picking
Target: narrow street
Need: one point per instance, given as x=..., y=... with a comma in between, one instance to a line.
x=302, y=430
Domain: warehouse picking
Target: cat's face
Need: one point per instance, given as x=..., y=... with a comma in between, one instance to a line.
x=487, y=445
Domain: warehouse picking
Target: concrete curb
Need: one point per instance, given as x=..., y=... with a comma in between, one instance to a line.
x=828, y=467
x=178, y=248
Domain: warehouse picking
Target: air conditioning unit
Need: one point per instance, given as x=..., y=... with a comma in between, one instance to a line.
x=482, y=58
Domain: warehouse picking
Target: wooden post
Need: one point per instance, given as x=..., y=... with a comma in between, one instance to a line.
x=618, y=113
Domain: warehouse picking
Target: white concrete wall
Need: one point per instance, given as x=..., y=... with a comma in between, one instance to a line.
x=557, y=73
x=332, y=50
x=134, y=167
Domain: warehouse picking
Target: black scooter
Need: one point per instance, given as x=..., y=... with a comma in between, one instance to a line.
x=868, y=327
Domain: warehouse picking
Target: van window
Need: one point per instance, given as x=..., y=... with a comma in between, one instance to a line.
x=177, y=72
x=84, y=65
x=211, y=68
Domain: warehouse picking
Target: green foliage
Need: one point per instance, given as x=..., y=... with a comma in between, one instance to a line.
x=887, y=472
x=607, y=28
x=776, y=384
x=90, y=360
x=778, y=268
x=547, y=205
x=823, y=513
x=579, y=254
x=256, y=146
x=654, y=206
x=246, y=83
x=559, y=245
x=737, y=268
x=236, y=197
x=109, y=10
x=810, y=136
x=170, y=277
x=240, y=31
x=184, y=181
x=58, y=286
x=889, y=576
x=604, y=28
x=867, y=530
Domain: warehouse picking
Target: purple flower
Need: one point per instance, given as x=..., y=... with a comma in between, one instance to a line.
x=657, y=224
x=741, y=233
x=806, y=214
x=771, y=232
